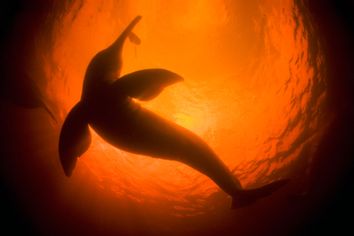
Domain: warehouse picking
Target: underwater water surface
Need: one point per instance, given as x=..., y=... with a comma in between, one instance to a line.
x=254, y=90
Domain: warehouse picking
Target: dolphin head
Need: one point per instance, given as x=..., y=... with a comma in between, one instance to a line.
x=107, y=64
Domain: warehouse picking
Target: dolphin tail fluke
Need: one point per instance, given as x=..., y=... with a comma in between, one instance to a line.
x=74, y=138
x=248, y=197
x=145, y=84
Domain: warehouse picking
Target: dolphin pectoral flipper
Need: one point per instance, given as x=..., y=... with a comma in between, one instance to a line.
x=74, y=138
x=145, y=84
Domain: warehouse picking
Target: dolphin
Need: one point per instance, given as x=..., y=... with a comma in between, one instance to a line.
x=107, y=105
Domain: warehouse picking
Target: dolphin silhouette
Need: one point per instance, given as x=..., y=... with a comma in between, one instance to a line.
x=107, y=105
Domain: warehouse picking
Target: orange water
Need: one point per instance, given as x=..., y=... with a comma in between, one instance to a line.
x=248, y=92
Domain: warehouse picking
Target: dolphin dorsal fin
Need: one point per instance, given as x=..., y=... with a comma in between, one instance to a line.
x=145, y=84
x=75, y=138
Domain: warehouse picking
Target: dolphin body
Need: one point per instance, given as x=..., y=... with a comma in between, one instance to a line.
x=107, y=106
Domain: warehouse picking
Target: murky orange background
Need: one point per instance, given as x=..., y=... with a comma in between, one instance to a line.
x=251, y=91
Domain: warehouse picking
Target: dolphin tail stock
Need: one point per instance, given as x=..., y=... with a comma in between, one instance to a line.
x=75, y=138
x=248, y=196
x=145, y=84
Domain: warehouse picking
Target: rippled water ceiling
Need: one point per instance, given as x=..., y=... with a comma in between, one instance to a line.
x=253, y=90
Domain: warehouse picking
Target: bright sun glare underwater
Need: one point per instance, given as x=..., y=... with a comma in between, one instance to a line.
x=248, y=90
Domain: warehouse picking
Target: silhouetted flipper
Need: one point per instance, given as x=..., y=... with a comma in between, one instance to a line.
x=145, y=84
x=74, y=138
x=247, y=197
